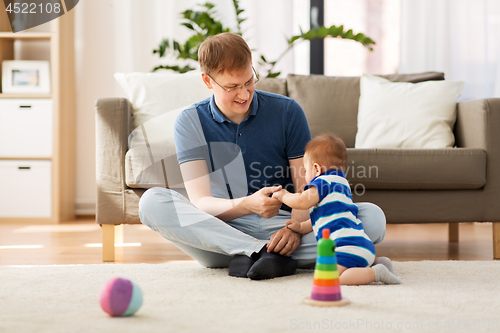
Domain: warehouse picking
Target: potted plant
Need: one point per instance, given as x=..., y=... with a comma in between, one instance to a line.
x=203, y=24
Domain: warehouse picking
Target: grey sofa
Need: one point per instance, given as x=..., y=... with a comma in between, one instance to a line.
x=449, y=185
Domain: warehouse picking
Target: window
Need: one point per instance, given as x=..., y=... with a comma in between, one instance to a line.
x=377, y=19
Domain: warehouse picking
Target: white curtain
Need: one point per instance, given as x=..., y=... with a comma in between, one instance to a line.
x=458, y=37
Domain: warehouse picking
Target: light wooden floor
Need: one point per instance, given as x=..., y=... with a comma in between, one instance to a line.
x=78, y=243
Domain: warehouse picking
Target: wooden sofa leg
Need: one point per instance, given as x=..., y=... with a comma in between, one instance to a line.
x=119, y=233
x=453, y=234
x=496, y=240
x=108, y=242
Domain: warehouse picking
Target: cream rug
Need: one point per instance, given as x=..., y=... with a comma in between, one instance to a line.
x=436, y=296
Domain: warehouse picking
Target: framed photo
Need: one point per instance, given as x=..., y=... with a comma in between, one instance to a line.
x=25, y=77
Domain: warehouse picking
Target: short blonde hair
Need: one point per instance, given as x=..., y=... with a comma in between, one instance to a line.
x=224, y=52
x=328, y=150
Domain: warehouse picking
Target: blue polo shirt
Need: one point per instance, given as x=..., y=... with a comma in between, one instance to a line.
x=243, y=158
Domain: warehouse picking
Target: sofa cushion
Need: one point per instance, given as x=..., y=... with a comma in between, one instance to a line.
x=406, y=115
x=153, y=165
x=381, y=169
x=275, y=86
x=315, y=93
x=153, y=94
x=416, y=169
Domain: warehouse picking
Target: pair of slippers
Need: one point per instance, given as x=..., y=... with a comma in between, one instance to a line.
x=262, y=265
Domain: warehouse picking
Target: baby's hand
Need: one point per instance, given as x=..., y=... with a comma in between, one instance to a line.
x=279, y=194
x=293, y=225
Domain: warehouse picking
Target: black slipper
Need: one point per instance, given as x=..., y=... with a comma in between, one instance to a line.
x=239, y=265
x=271, y=265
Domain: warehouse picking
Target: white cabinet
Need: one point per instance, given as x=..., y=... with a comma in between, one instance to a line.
x=26, y=131
x=37, y=130
x=26, y=128
x=26, y=188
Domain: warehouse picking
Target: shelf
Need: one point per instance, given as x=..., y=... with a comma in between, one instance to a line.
x=27, y=220
x=26, y=158
x=25, y=95
x=27, y=35
x=59, y=39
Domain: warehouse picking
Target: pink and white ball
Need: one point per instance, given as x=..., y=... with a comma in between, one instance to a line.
x=120, y=297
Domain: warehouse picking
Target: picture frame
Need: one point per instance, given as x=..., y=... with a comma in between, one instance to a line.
x=25, y=77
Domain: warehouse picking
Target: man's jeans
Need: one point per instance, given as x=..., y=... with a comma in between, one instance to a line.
x=212, y=242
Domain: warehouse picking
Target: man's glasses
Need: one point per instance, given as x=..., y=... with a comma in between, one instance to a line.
x=250, y=84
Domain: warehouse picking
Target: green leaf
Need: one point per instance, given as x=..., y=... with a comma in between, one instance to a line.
x=322, y=32
x=348, y=35
x=368, y=41
x=187, y=14
x=335, y=31
x=196, y=38
x=162, y=48
x=273, y=75
x=263, y=58
x=187, y=48
x=177, y=46
x=208, y=5
x=359, y=37
x=181, y=70
x=309, y=35
x=188, y=25
x=293, y=39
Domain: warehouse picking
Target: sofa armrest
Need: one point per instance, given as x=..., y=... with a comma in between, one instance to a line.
x=470, y=127
x=113, y=116
x=477, y=126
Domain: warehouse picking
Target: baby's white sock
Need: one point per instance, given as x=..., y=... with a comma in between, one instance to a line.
x=382, y=274
x=387, y=263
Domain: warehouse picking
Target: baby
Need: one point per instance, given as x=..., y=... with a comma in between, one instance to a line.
x=329, y=200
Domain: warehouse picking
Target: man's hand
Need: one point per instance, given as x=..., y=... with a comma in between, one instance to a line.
x=261, y=204
x=284, y=242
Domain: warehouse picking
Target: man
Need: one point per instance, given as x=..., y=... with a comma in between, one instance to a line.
x=235, y=149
